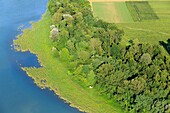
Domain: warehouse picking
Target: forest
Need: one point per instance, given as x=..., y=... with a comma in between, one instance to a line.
x=136, y=75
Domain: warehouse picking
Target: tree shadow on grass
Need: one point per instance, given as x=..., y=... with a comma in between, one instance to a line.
x=166, y=45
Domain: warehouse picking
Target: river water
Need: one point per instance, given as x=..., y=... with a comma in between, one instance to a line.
x=18, y=93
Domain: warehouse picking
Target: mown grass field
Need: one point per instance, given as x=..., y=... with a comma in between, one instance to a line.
x=112, y=11
x=53, y=73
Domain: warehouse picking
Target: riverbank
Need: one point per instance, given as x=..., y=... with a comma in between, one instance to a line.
x=53, y=74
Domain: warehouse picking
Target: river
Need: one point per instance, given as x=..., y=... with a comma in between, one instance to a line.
x=18, y=93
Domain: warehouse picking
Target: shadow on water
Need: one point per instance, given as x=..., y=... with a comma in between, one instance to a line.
x=166, y=45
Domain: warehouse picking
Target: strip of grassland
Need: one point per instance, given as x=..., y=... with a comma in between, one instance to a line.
x=53, y=73
x=116, y=12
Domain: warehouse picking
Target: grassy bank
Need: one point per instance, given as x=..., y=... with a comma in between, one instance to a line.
x=53, y=73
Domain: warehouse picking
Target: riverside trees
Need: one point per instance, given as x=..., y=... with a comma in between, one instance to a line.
x=136, y=75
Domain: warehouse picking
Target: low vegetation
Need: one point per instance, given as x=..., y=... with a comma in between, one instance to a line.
x=141, y=10
x=146, y=32
x=112, y=12
x=161, y=8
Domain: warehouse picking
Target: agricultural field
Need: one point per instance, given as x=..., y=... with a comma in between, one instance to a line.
x=150, y=30
x=141, y=10
x=162, y=9
x=146, y=32
x=112, y=11
x=125, y=11
x=146, y=21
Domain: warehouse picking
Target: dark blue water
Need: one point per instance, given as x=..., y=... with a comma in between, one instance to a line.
x=18, y=93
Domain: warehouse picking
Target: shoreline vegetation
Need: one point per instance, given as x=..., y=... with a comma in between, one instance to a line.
x=84, y=62
x=36, y=40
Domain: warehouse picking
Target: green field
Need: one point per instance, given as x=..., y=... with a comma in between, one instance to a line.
x=151, y=30
x=146, y=32
x=161, y=8
x=112, y=12
x=141, y=10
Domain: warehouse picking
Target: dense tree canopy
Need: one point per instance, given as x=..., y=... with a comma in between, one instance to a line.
x=136, y=75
